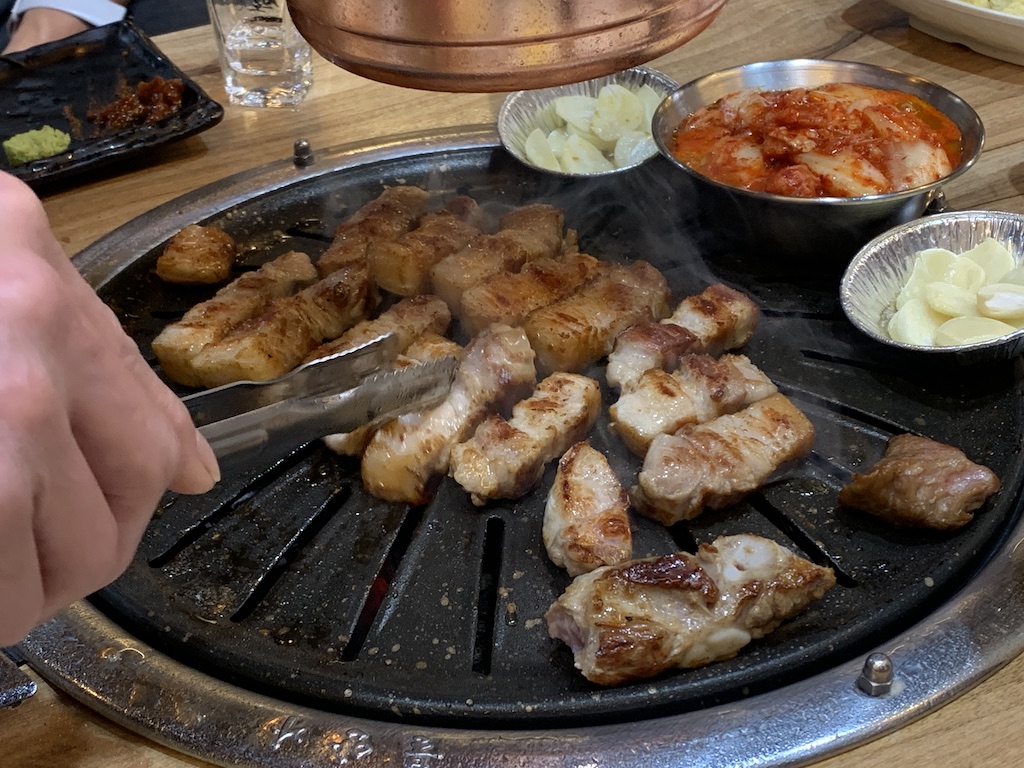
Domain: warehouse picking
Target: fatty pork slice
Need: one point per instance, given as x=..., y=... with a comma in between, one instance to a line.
x=580, y=329
x=245, y=297
x=921, y=483
x=644, y=346
x=586, y=517
x=506, y=459
x=197, y=255
x=510, y=297
x=394, y=212
x=273, y=343
x=701, y=389
x=721, y=317
x=681, y=611
x=718, y=463
x=407, y=319
x=402, y=266
x=407, y=456
x=429, y=346
x=524, y=235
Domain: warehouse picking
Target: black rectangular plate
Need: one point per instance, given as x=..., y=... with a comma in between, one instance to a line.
x=41, y=85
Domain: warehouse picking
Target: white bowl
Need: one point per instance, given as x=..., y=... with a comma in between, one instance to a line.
x=523, y=111
x=875, y=276
x=993, y=33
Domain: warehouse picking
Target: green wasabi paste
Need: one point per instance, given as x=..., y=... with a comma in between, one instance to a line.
x=35, y=145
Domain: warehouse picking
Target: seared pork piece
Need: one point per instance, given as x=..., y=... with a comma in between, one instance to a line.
x=394, y=212
x=525, y=234
x=682, y=611
x=721, y=317
x=197, y=255
x=506, y=459
x=701, y=389
x=580, y=329
x=247, y=296
x=510, y=296
x=408, y=319
x=276, y=341
x=586, y=518
x=429, y=346
x=716, y=464
x=644, y=346
x=921, y=483
x=402, y=266
x=408, y=455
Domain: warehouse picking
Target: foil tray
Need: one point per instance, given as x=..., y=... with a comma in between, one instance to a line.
x=99, y=653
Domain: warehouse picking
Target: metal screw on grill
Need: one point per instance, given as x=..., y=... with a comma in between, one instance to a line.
x=876, y=677
x=303, y=153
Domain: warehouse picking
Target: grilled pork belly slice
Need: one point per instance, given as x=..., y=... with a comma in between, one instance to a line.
x=586, y=518
x=429, y=346
x=580, y=329
x=716, y=464
x=510, y=296
x=921, y=483
x=644, y=346
x=681, y=611
x=402, y=266
x=408, y=455
x=407, y=319
x=197, y=255
x=506, y=459
x=721, y=317
x=276, y=341
x=394, y=212
x=247, y=296
x=701, y=389
x=525, y=234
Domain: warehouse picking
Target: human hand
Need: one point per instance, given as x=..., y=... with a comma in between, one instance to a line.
x=43, y=25
x=90, y=438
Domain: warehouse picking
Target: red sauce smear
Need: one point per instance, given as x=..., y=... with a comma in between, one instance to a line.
x=839, y=140
x=147, y=103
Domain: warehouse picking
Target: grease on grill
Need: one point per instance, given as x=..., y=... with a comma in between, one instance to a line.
x=149, y=102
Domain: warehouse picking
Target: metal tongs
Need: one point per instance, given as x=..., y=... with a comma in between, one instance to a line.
x=250, y=424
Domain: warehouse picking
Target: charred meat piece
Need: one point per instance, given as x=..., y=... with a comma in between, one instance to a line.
x=716, y=464
x=402, y=266
x=921, y=483
x=408, y=455
x=510, y=297
x=506, y=459
x=394, y=212
x=429, y=346
x=524, y=234
x=644, y=346
x=276, y=341
x=586, y=518
x=637, y=620
x=408, y=319
x=701, y=389
x=721, y=317
x=197, y=255
x=580, y=329
x=245, y=297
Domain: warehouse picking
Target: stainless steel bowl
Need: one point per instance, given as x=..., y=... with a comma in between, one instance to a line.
x=496, y=45
x=815, y=232
x=874, y=277
x=523, y=111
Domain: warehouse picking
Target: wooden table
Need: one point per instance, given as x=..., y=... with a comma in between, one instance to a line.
x=979, y=728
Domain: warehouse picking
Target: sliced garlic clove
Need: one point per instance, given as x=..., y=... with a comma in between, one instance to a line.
x=618, y=111
x=970, y=330
x=950, y=300
x=966, y=274
x=632, y=148
x=538, y=151
x=577, y=110
x=651, y=100
x=1002, y=301
x=915, y=323
x=1015, y=275
x=993, y=257
x=580, y=156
